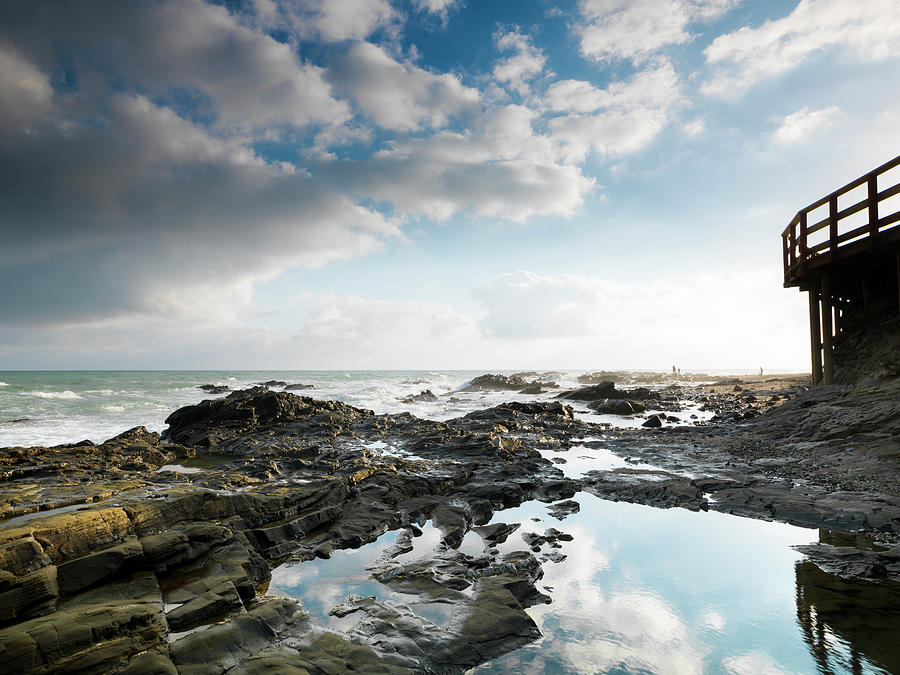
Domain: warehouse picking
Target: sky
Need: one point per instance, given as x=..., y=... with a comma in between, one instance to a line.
x=424, y=184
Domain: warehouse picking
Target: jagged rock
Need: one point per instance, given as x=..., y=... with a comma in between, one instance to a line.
x=492, y=382
x=298, y=387
x=425, y=396
x=222, y=422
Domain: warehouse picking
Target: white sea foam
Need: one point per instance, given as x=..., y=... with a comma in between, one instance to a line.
x=3, y=384
x=67, y=394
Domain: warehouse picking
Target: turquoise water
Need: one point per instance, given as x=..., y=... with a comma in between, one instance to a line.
x=645, y=590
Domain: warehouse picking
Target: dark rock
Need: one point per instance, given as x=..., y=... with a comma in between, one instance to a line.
x=272, y=383
x=423, y=397
x=298, y=387
x=498, y=383
x=563, y=509
x=652, y=421
x=214, y=388
x=611, y=406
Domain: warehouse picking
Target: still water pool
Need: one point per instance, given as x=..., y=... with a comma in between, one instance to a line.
x=644, y=590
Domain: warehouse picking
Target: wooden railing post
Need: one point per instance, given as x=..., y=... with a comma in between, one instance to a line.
x=803, y=250
x=833, y=226
x=793, y=244
x=873, y=209
x=785, y=258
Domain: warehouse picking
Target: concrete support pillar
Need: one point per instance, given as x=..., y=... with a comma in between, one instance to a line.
x=827, y=333
x=815, y=339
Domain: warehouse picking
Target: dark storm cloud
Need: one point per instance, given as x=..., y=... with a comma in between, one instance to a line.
x=112, y=202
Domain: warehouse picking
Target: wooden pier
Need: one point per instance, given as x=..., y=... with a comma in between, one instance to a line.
x=844, y=250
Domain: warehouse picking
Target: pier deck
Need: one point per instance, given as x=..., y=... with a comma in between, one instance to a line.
x=844, y=250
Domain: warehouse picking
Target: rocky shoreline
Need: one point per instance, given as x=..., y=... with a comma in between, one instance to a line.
x=116, y=558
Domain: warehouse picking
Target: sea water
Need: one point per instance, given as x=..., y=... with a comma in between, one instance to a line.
x=56, y=407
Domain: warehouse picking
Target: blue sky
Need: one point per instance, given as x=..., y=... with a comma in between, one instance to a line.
x=424, y=184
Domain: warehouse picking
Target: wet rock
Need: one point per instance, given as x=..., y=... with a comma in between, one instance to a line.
x=425, y=396
x=563, y=509
x=496, y=533
x=653, y=421
x=654, y=488
x=272, y=383
x=214, y=388
x=128, y=615
x=492, y=382
x=853, y=562
x=204, y=607
x=605, y=390
x=610, y=406
x=222, y=422
x=225, y=645
x=298, y=387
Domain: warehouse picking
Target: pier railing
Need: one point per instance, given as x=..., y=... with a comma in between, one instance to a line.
x=825, y=230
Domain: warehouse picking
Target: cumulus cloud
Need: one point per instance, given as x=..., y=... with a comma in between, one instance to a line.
x=149, y=213
x=618, y=120
x=187, y=48
x=636, y=29
x=804, y=123
x=524, y=63
x=501, y=168
x=396, y=95
x=328, y=20
x=868, y=31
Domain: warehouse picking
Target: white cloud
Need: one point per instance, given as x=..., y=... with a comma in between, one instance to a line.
x=636, y=29
x=333, y=20
x=869, y=31
x=751, y=663
x=440, y=8
x=650, y=323
x=695, y=127
x=630, y=29
x=524, y=64
x=501, y=169
x=802, y=124
x=634, y=112
x=611, y=134
x=397, y=95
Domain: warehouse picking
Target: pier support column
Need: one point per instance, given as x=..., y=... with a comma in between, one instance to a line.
x=827, y=333
x=815, y=339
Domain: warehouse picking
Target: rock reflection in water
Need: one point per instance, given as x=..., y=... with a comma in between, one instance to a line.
x=850, y=626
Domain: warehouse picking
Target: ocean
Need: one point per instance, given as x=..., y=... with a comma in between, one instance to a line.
x=56, y=407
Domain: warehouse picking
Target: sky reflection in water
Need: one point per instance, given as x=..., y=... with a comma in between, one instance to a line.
x=645, y=590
